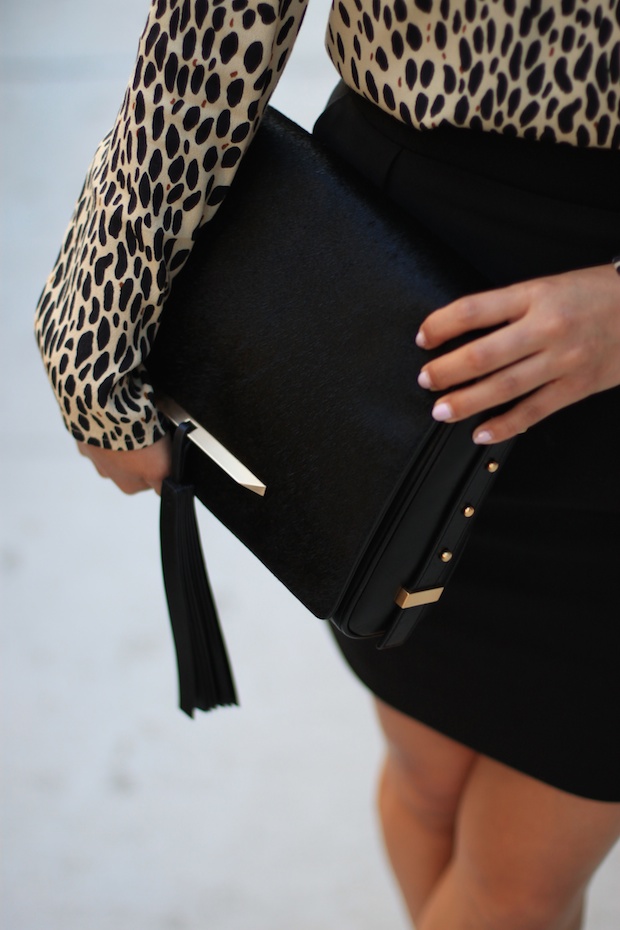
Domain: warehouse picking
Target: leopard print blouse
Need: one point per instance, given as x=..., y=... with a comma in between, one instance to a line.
x=541, y=69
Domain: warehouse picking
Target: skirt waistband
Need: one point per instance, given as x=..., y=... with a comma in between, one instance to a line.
x=579, y=175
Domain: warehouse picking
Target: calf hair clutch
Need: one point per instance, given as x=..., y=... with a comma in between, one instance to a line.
x=287, y=365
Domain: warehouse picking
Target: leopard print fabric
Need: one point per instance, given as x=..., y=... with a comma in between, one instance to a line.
x=204, y=73
x=541, y=70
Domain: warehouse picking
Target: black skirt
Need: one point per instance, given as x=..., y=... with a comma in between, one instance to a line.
x=520, y=660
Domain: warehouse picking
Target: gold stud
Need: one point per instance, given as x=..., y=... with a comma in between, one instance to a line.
x=492, y=466
x=468, y=511
x=445, y=555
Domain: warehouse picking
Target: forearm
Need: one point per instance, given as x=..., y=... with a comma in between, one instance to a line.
x=202, y=79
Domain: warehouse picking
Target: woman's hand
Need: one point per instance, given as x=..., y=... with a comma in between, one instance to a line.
x=558, y=342
x=135, y=471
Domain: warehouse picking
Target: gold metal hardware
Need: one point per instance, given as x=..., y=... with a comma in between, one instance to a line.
x=492, y=466
x=468, y=511
x=210, y=446
x=406, y=599
x=445, y=555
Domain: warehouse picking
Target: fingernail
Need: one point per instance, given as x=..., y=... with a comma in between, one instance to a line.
x=442, y=412
x=483, y=437
x=420, y=340
x=424, y=380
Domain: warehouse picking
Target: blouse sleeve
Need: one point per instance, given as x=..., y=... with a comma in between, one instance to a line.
x=204, y=73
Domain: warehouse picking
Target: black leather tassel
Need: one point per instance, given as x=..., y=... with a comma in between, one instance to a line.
x=205, y=677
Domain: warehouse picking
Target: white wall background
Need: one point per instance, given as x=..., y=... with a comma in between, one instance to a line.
x=117, y=811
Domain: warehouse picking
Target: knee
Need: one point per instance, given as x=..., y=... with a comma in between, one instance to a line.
x=519, y=904
x=525, y=915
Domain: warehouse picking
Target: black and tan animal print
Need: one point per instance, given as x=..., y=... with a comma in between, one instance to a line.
x=537, y=69
x=204, y=73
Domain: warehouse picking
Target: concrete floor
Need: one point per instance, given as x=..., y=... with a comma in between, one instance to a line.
x=117, y=811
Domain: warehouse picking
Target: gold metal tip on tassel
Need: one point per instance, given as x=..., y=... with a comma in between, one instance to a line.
x=406, y=599
x=468, y=511
x=492, y=466
x=445, y=555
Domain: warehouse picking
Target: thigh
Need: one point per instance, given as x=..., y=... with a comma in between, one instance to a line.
x=519, y=839
x=430, y=770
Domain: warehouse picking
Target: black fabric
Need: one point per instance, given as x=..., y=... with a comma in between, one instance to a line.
x=309, y=380
x=521, y=658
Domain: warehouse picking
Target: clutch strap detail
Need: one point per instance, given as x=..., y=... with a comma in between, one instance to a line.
x=446, y=551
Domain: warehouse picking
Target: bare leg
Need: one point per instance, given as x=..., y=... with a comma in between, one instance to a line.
x=524, y=854
x=477, y=846
x=419, y=793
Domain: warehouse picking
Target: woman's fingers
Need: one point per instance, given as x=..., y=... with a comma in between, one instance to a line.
x=481, y=357
x=476, y=311
x=558, y=341
x=134, y=471
x=508, y=384
x=527, y=412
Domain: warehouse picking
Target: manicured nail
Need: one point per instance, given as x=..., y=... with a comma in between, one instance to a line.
x=420, y=340
x=442, y=412
x=483, y=437
x=424, y=380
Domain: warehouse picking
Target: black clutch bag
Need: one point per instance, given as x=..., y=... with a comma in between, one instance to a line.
x=286, y=360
